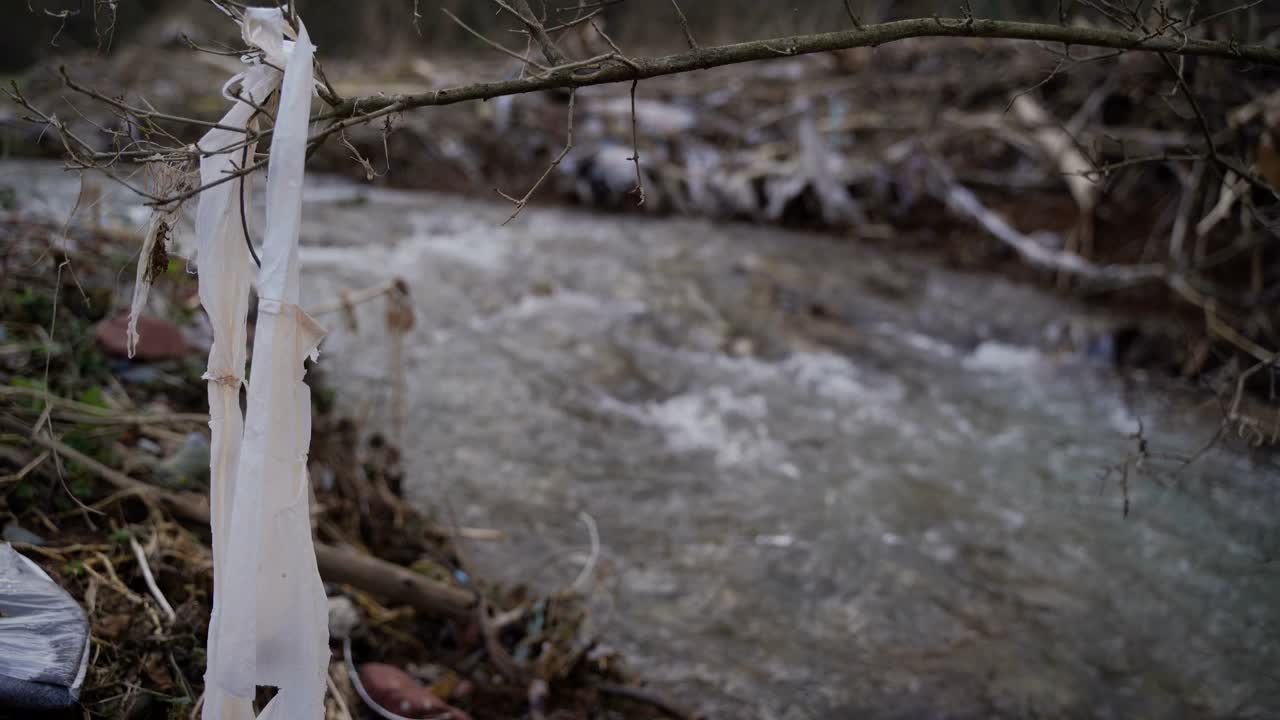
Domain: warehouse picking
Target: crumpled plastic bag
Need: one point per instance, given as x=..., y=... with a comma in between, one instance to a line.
x=269, y=623
x=44, y=637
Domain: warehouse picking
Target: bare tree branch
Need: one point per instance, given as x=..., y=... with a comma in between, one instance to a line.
x=1210, y=146
x=521, y=9
x=521, y=202
x=684, y=26
x=853, y=16
x=616, y=67
x=616, y=70
x=492, y=44
x=635, y=147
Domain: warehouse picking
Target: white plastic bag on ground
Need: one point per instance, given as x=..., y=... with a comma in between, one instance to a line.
x=44, y=637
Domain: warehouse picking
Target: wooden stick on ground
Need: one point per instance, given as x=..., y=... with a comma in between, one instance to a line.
x=641, y=695
x=150, y=579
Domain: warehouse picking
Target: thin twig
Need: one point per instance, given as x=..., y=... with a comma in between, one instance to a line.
x=132, y=419
x=1215, y=323
x=1215, y=16
x=344, y=713
x=244, y=219
x=84, y=412
x=354, y=298
x=326, y=90
x=492, y=44
x=30, y=467
x=359, y=686
x=589, y=567
x=684, y=26
x=635, y=135
x=40, y=428
x=576, y=21
x=150, y=580
x=853, y=16
x=635, y=146
x=1210, y=145
x=113, y=580
x=536, y=30
x=511, y=668
x=568, y=145
x=140, y=114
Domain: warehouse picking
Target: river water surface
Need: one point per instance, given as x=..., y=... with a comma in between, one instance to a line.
x=828, y=481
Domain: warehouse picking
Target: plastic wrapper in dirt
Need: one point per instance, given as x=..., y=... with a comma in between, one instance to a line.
x=44, y=637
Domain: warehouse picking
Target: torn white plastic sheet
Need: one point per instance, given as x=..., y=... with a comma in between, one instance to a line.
x=269, y=623
x=156, y=227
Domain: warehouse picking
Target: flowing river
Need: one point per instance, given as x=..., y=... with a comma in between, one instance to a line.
x=827, y=480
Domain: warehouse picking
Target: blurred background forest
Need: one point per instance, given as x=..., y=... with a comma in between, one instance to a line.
x=383, y=27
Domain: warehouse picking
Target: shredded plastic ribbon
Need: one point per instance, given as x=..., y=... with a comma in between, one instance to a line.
x=269, y=622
